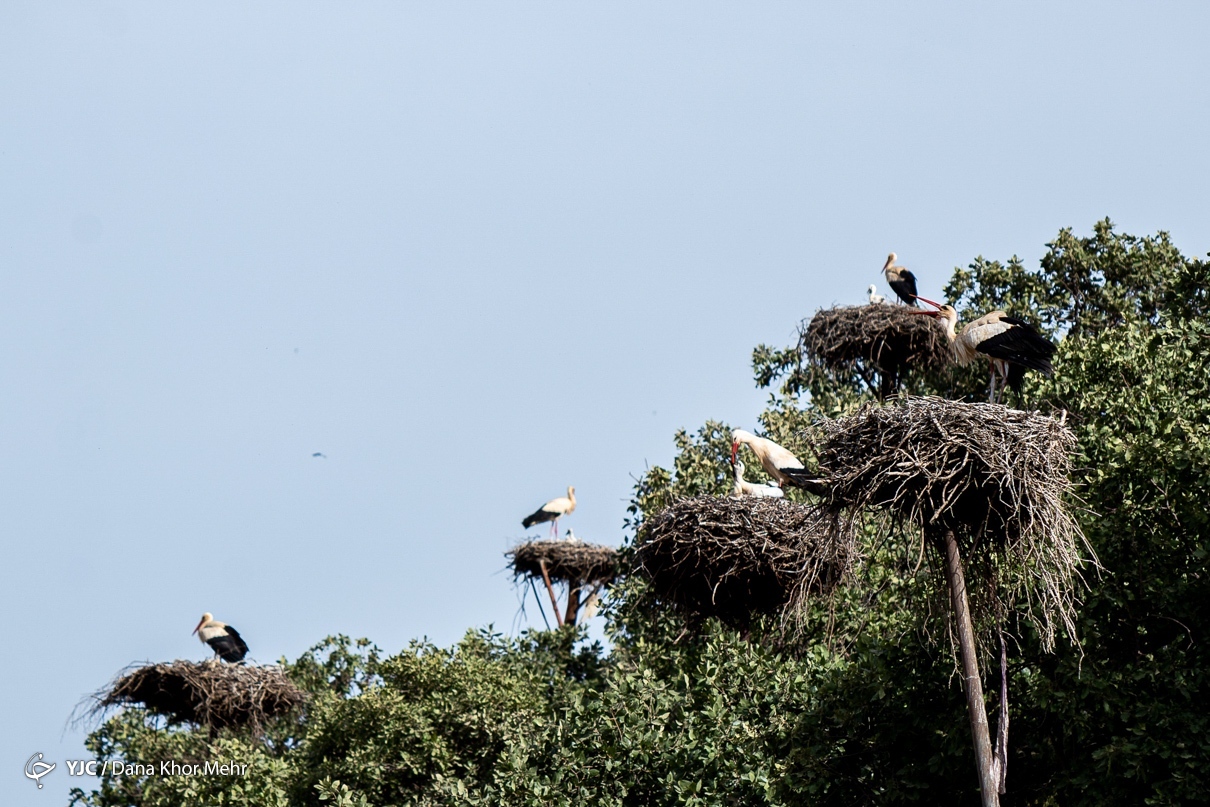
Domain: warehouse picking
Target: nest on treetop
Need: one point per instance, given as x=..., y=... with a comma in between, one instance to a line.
x=882, y=338
x=998, y=477
x=571, y=561
x=737, y=558
x=208, y=693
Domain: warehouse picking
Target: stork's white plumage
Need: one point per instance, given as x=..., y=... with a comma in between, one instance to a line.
x=1010, y=344
x=901, y=281
x=223, y=639
x=875, y=298
x=778, y=462
x=744, y=488
x=553, y=510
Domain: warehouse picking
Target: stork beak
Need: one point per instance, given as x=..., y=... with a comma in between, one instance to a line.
x=199, y=626
x=734, y=451
x=926, y=300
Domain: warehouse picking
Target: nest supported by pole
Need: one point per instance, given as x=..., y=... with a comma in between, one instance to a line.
x=885, y=339
x=208, y=693
x=584, y=568
x=998, y=477
x=737, y=558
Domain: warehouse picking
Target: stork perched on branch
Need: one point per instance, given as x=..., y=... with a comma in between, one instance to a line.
x=1010, y=344
x=778, y=462
x=744, y=488
x=553, y=510
x=223, y=639
x=901, y=281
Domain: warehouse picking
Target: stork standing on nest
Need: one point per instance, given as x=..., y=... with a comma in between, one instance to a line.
x=778, y=462
x=222, y=638
x=744, y=488
x=553, y=510
x=1010, y=344
x=875, y=297
x=901, y=281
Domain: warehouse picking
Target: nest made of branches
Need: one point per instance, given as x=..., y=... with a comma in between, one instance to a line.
x=884, y=337
x=735, y=558
x=571, y=561
x=208, y=693
x=998, y=477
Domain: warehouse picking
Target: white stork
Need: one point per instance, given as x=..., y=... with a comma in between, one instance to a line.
x=222, y=638
x=901, y=281
x=553, y=510
x=778, y=463
x=875, y=298
x=1010, y=344
x=744, y=488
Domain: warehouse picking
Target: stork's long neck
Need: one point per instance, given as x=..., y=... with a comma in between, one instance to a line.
x=951, y=329
x=962, y=350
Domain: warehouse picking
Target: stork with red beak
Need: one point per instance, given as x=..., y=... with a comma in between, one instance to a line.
x=223, y=639
x=778, y=462
x=552, y=511
x=901, y=281
x=1010, y=344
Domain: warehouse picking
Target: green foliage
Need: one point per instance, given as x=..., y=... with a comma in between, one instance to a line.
x=861, y=705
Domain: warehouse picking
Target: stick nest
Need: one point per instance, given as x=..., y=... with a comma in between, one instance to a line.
x=998, y=477
x=736, y=558
x=883, y=337
x=208, y=693
x=570, y=561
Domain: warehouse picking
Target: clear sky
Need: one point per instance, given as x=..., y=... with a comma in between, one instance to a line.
x=473, y=253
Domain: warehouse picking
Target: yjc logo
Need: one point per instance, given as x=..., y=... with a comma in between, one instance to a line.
x=36, y=770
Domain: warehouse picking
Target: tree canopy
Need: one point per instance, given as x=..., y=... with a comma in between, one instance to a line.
x=859, y=703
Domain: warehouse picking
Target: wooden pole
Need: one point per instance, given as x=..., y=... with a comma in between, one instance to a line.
x=1001, y=750
x=988, y=786
x=573, y=603
x=554, y=601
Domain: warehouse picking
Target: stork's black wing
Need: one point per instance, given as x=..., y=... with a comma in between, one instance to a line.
x=538, y=516
x=904, y=287
x=230, y=647
x=1022, y=347
x=807, y=480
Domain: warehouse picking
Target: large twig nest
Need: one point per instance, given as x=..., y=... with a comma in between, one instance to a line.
x=207, y=693
x=996, y=476
x=737, y=558
x=571, y=561
x=885, y=338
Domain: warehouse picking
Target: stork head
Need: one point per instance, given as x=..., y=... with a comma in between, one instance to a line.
x=890, y=260
x=946, y=312
x=872, y=289
x=739, y=469
x=571, y=492
x=206, y=617
x=737, y=436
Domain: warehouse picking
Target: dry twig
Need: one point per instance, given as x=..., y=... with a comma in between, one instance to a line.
x=734, y=558
x=207, y=693
x=886, y=339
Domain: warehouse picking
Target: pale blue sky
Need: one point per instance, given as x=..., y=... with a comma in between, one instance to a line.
x=473, y=253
